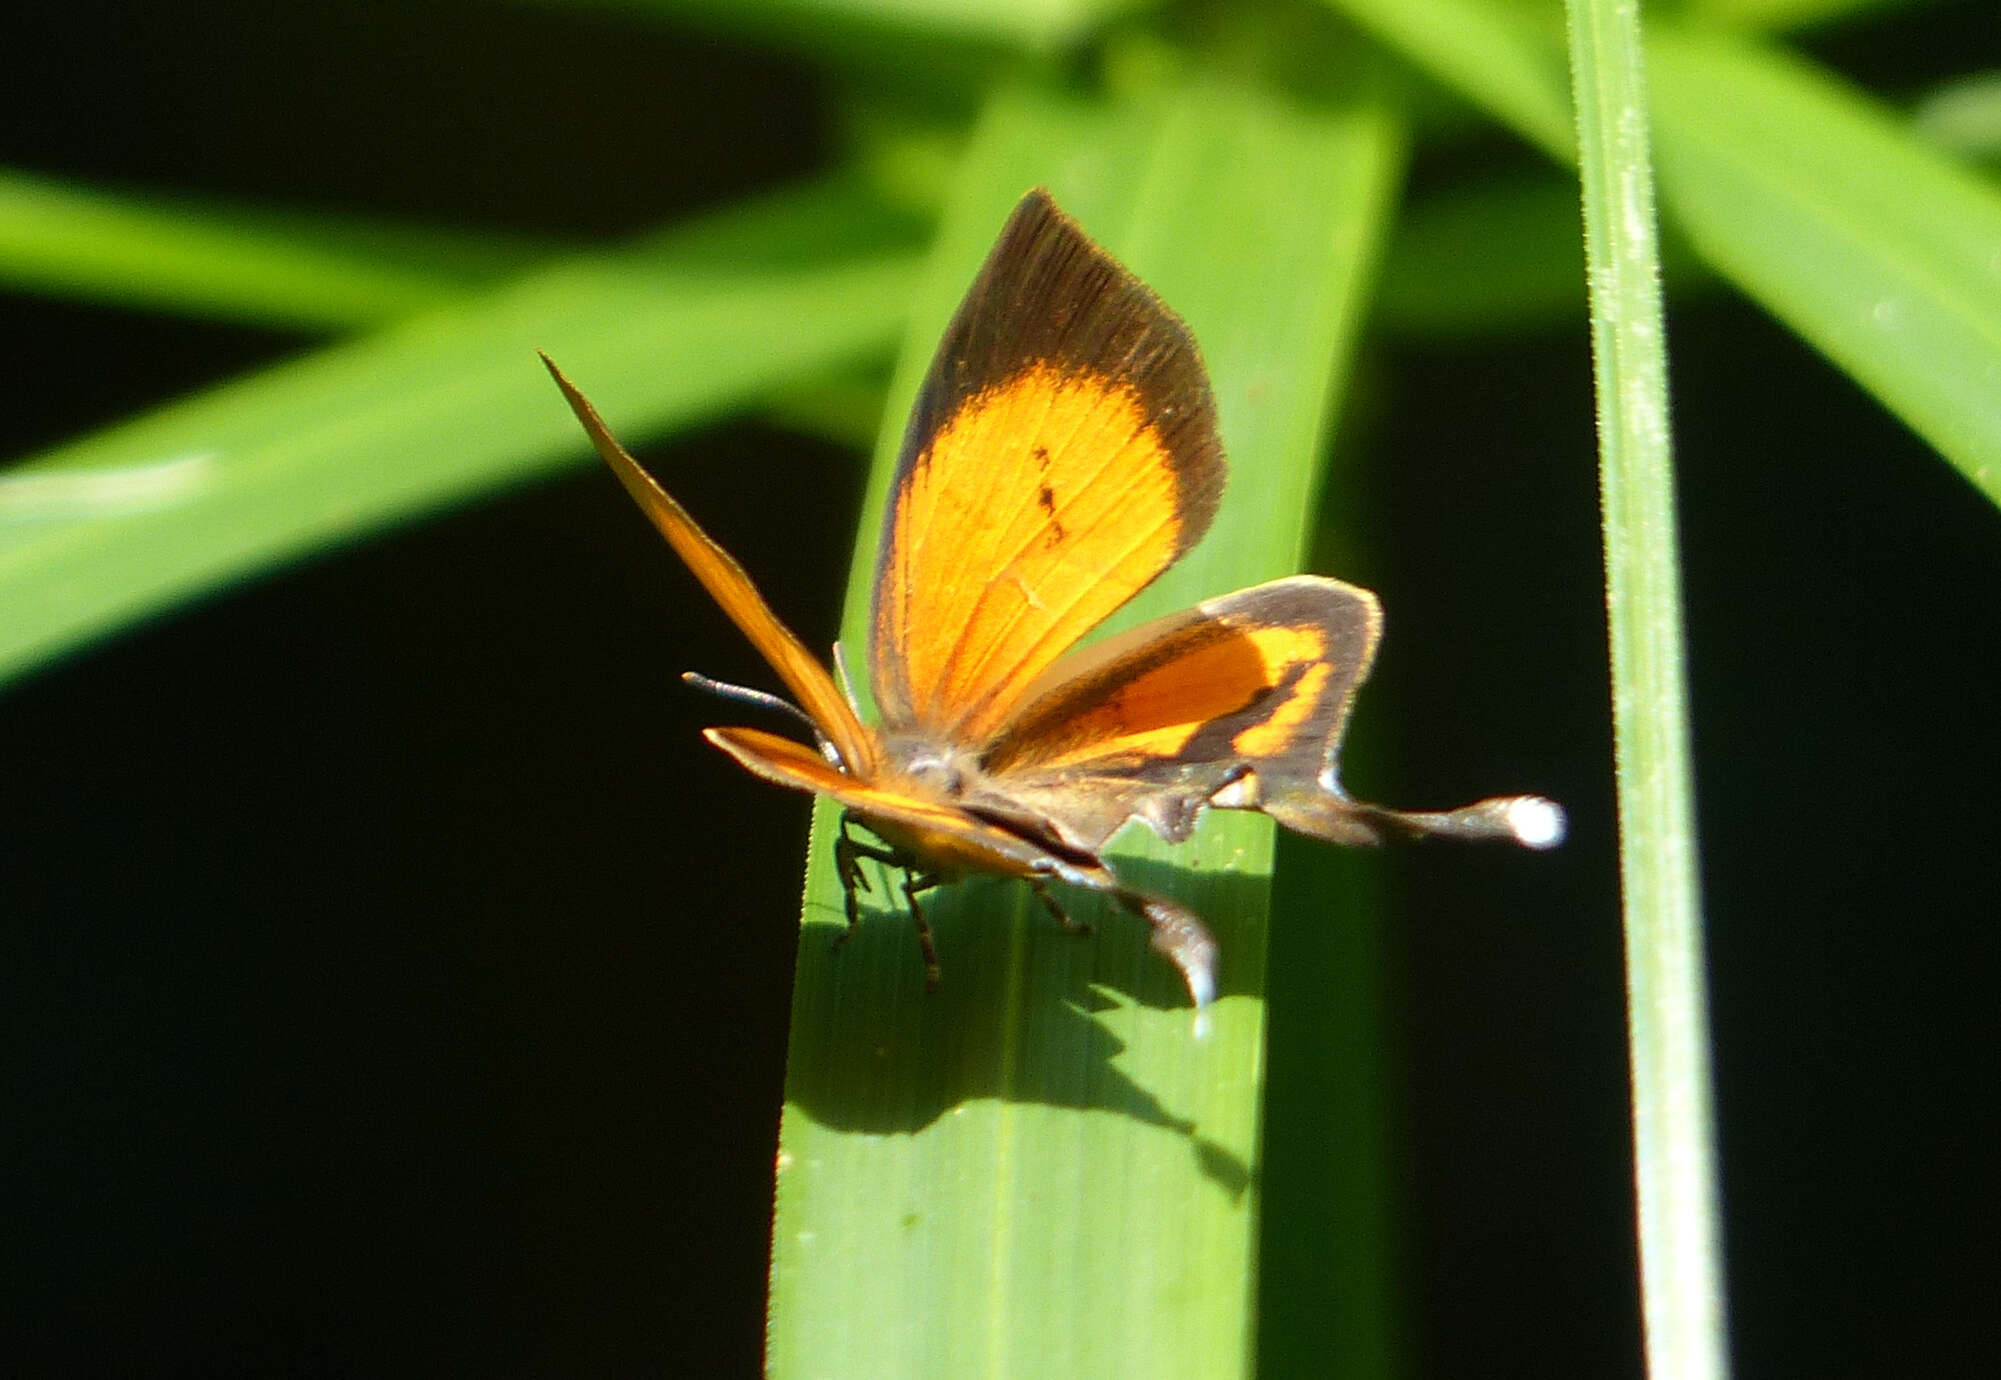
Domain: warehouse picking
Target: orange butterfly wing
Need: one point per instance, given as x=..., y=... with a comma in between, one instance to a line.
x=1061, y=454
x=1237, y=704
x=732, y=589
x=1246, y=695
x=948, y=839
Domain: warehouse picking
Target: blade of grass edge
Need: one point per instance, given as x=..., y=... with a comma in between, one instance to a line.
x=1039, y=1169
x=1497, y=58
x=1681, y=1266
x=881, y=32
x=1871, y=245
x=1874, y=248
x=345, y=440
x=213, y=260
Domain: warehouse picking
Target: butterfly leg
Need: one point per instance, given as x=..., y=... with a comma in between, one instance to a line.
x=1055, y=907
x=913, y=883
x=848, y=853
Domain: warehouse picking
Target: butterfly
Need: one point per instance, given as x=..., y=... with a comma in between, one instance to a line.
x=1062, y=453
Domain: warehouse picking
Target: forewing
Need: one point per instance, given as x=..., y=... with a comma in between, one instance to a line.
x=732, y=589
x=943, y=836
x=1061, y=454
x=1239, y=702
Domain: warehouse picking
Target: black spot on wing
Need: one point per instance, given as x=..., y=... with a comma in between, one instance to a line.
x=1045, y=499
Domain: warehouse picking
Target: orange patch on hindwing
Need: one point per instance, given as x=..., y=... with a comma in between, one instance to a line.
x=1277, y=731
x=1209, y=675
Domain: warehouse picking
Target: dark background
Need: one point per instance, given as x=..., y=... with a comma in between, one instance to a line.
x=370, y=997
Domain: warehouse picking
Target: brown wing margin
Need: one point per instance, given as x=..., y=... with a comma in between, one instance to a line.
x=1237, y=704
x=733, y=591
x=1061, y=454
x=1249, y=691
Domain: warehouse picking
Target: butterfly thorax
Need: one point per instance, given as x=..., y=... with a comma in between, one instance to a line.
x=1007, y=838
x=937, y=770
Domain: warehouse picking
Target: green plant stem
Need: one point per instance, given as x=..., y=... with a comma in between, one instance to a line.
x=1681, y=1265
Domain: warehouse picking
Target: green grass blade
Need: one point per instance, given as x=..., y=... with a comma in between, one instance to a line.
x=945, y=52
x=1681, y=1264
x=1785, y=14
x=1024, y=23
x=1329, y=1301
x=453, y=403
x=1039, y=1169
x=1501, y=57
x=1876, y=249
x=293, y=272
x=1963, y=116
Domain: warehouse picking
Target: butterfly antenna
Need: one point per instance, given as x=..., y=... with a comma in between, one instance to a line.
x=743, y=694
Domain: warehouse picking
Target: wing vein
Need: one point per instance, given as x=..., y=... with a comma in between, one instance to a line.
x=1058, y=617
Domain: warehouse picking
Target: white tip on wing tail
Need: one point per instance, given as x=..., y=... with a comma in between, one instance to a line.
x=1327, y=812
x=1537, y=822
x=1201, y=987
x=1180, y=937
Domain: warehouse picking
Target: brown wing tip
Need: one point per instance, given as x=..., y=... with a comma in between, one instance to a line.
x=579, y=404
x=1036, y=210
x=606, y=444
x=1044, y=250
x=1039, y=197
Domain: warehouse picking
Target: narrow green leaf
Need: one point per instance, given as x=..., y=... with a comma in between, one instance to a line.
x=1041, y=1169
x=1963, y=116
x=1785, y=14
x=937, y=45
x=1504, y=58
x=844, y=409
x=1875, y=248
x=1681, y=1263
x=295, y=272
x=348, y=439
x=1037, y=22
x=1332, y=1241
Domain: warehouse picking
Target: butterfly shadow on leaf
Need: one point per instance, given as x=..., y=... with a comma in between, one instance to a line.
x=1025, y=1011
